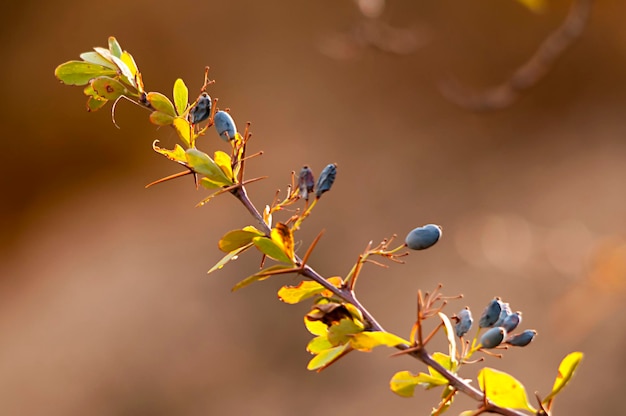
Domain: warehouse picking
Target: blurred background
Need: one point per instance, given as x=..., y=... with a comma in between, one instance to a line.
x=105, y=305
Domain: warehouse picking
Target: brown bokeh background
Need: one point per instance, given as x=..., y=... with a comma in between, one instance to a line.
x=105, y=305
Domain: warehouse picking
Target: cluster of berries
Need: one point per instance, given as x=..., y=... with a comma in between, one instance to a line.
x=224, y=123
x=498, y=317
x=306, y=181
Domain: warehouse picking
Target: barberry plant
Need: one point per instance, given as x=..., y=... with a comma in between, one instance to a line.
x=338, y=322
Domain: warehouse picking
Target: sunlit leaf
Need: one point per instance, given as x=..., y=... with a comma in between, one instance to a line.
x=354, y=311
x=283, y=237
x=318, y=344
x=95, y=103
x=208, y=184
x=222, y=159
x=449, y=333
x=130, y=63
x=183, y=128
x=114, y=47
x=366, y=341
x=81, y=72
x=181, y=96
x=304, y=290
x=176, y=155
x=403, y=383
x=227, y=258
x=567, y=368
x=161, y=119
x=257, y=277
x=161, y=103
x=503, y=389
x=446, y=362
x=202, y=163
x=96, y=58
x=318, y=328
x=232, y=240
x=108, y=88
x=327, y=357
x=271, y=249
x=340, y=333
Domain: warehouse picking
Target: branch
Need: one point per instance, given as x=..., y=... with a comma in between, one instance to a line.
x=530, y=73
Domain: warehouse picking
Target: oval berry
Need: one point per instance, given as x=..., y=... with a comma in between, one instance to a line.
x=512, y=321
x=326, y=179
x=225, y=125
x=306, y=182
x=493, y=337
x=464, y=323
x=491, y=314
x=202, y=110
x=423, y=237
x=523, y=339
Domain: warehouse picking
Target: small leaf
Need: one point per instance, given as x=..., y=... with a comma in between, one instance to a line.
x=446, y=362
x=318, y=344
x=108, y=88
x=449, y=333
x=230, y=256
x=283, y=237
x=95, y=103
x=183, y=129
x=202, y=163
x=176, y=155
x=130, y=63
x=304, y=290
x=318, y=328
x=181, y=96
x=567, y=368
x=96, y=58
x=222, y=159
x=127, y=74
x=80, y=72
x=232, y=240
x=340, y=333
x=114, y=47
x=327, y=357
x=503, y=389
x=208, y=184
x=161, y=119
x=366, y=341
x=161, y=103
x=271, y=249
x=257, y=277
x=403, y=383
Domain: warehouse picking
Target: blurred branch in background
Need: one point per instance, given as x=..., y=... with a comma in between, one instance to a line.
x=530, y=73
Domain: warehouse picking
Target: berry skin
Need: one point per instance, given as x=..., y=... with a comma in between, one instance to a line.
x=326, y=179
x=493, y=337
x=423, y=237
x=523, y=339
x=202, y=110
x=225, y=125
x=512, y=321
x=306, y=182
x=491, y=314
x=465, y=322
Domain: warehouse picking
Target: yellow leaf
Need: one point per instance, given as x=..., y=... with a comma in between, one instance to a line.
x=503, y=389
x=366, y=341
x=283, y=237
x=566, y=372
x=222, y=159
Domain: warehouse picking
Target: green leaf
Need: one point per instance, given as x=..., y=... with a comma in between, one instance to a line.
x=271, y=249
x=227, y=258
x=232, y=240
x=95, y=103
x=96, y=58
x=327, y=357
x=181, y=96
x=503, y=389
x=403, y=383
x=449, y=333
x=161, y=119
x=366, y=341
x=446, y=362
x=108, y=88
x=80, y=72
x=257, y=277
x=222, y=159
x=114, y=47
x=318, y=328
x=202, y=163
x=176, y=155
x=283, y=237
x=319, y=344
x=340, y=333
x=161, y=103
x=567, y=368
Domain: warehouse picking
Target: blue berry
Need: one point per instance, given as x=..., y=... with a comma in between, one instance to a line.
x=423, y=237
x=326, y=179
x=512, y=321
x=465, y=322
x=493, y=337
x=306, y=182
x=202, y=110
x=491, y=314
x=225, y=125
x=523, y=339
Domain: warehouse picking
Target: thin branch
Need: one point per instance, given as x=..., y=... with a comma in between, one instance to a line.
x=528, y=74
